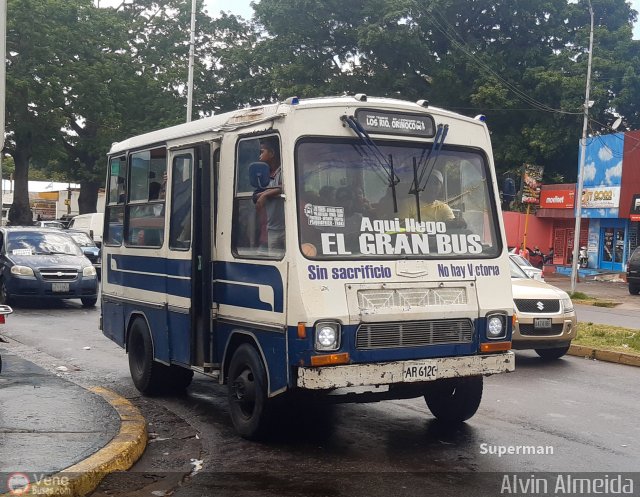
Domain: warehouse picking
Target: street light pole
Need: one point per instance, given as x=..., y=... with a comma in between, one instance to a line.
x=583, y=155
x=192, y=43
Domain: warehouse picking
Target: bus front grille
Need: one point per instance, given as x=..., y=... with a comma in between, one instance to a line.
x=414, y=333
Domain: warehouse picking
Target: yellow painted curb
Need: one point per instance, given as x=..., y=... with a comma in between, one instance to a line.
x=604, y=355
x=118, y=455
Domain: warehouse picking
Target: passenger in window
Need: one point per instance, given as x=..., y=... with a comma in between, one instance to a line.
x=154, y=190
x=361, y=204
x=327, y=195
x=270, y=199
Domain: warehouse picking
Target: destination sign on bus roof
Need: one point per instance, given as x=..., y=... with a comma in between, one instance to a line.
x=396, y=123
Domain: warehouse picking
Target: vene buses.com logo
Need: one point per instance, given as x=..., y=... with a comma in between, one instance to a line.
x=18, y=484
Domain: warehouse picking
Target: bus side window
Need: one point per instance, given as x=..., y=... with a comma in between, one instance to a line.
x=145, y=207
x=258, y=228
x=181, y=181
x=116, y=199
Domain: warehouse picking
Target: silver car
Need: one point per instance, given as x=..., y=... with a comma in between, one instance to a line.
x=544, y=317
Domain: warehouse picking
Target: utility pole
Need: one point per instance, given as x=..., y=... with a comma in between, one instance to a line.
x=583, y=155
x=192, y=44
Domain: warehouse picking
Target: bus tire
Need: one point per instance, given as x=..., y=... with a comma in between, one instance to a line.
x=178, y=379
x=148, y=376
x=247, y=393
x=552, y=354
x=454, y=400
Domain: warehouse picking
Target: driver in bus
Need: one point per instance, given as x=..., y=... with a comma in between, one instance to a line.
x=431, y=207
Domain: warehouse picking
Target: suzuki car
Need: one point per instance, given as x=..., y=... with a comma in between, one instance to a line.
x=544, y=317
x=43, y=263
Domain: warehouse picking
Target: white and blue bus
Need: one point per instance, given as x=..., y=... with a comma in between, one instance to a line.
x=375, y=265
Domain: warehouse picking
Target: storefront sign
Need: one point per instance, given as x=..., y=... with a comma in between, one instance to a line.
x=634, y=214
x=557, y=199
x=601, y=197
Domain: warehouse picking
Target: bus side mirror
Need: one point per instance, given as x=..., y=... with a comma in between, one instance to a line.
x=259, y=174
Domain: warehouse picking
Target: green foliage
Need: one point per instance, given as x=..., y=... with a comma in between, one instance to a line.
x=80, y=78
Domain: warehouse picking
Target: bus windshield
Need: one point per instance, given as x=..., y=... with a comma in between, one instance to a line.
x=354, y=203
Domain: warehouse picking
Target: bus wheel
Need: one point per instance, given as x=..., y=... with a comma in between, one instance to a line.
x=247, y=392
x=148, y=376
x=178, y=379
x=454, y=400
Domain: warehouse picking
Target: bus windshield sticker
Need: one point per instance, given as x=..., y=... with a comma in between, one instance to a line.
x=324, y=215
x=389, y=237
x=395, y=123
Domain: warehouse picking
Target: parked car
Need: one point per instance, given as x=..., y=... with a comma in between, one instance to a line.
x=531, y=271
x=91, y=224
x=545, y=319
x=44, y=263
x=633, y=272
x=89, y=248
x=50, y=224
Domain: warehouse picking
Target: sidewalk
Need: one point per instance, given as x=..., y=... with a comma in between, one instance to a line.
x=52, y=427
x=602, y=285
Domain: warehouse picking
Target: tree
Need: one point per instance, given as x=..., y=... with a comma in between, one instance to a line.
x=34, y=49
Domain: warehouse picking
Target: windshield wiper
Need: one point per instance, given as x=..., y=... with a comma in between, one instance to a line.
x=386, y=165
x=436, y=148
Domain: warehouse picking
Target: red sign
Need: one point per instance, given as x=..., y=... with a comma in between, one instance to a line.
x=557, y=199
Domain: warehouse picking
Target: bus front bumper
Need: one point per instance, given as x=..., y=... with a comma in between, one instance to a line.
x=388, y=373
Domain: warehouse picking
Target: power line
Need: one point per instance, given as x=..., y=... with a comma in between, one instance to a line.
x=445, y=28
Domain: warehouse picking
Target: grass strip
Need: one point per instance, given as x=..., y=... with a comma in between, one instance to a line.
x=607, y=337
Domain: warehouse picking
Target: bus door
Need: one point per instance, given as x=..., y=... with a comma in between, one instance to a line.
x=188, y=300
x=250, y=287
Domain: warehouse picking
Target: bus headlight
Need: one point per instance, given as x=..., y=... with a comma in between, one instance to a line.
x=496, y=326
x=327, y=336
x=22, y=271
x=89, y=272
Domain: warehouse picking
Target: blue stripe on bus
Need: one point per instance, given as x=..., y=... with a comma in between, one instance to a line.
x=153, y=274
x=246, y=295
x=157, y=274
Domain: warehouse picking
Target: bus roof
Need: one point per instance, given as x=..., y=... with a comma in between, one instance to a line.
x=254, y=115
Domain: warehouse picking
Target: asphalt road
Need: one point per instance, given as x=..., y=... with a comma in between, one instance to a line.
x=582, y=413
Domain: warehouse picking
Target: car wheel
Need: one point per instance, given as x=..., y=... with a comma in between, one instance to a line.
x=552, y=354
x=634, y=289
x=5, y=296
x=454, y=400
x=89, y=301
x=148, y=376
x=247, y=393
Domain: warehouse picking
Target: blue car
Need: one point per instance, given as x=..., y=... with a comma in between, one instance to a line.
x=89, y=248
x=42, y=263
